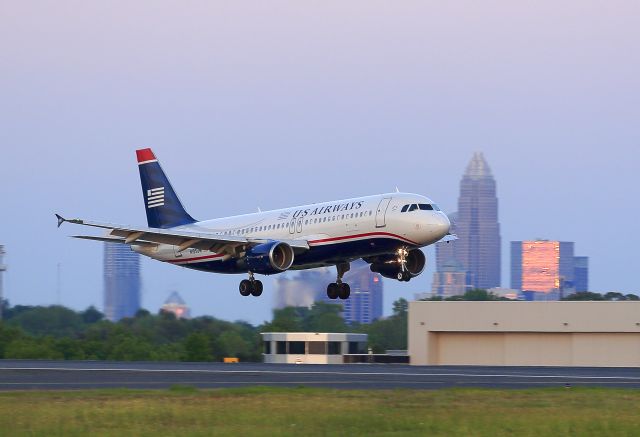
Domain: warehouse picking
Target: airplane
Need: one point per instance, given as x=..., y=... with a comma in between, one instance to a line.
x=385, y=230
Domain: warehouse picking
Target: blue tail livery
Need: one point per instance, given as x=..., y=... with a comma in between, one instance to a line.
x=163, y=207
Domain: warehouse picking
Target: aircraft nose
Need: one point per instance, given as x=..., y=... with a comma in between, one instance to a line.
x=442, y=224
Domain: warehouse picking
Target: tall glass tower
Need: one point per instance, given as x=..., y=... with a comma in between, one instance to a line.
x=477, y=226
x=121, y=281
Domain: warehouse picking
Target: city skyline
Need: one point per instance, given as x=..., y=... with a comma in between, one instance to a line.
x=260, y=106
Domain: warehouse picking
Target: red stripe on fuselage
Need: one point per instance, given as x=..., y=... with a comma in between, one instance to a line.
x=368, y=234
x=324, y=240
x=217, y=255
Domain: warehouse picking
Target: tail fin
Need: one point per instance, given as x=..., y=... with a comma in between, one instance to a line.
x=164, y=209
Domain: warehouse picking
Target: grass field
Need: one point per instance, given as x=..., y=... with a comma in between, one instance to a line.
x=306, y=411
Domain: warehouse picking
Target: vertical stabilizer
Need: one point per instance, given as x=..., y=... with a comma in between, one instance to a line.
x=163, y=207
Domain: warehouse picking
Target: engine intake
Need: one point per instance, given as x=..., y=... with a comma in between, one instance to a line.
x=269, y=258
x=389, y=265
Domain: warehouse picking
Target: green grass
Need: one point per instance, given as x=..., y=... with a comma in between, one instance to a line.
x=183, y=410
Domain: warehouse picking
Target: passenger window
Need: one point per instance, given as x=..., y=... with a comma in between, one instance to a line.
x=306, y=222
x=404, y=208
x=425, y=207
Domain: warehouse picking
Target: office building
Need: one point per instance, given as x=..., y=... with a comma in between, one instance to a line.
x=450, y=280
x=303, y=288
x=543, y=266
x=581, y=273
x=121, y=281
x=365, y=303
x=176, y=305
x=477, y=249
x=477, y=226
x=3, y=268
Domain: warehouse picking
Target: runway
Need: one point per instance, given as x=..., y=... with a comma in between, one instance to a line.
x=67, y=375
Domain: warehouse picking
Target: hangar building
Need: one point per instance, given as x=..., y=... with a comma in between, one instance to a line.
x=564, y=333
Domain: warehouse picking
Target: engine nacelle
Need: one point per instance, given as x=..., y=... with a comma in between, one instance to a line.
x=269, y=258
x=389, y=265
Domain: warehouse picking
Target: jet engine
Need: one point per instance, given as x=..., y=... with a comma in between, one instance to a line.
x=390, y=266
x=269, y=258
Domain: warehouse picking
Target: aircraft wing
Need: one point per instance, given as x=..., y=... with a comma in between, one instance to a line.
x=184, y=239
x=447, y=238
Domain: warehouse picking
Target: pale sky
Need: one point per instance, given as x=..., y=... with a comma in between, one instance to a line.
x=274, y=104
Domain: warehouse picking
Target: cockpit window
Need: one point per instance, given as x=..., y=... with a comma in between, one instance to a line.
x=413, y=207
x=425, y=207
x=404, y=208
x=436, y=207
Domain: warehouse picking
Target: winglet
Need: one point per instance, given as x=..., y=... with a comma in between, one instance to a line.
x=61, y=219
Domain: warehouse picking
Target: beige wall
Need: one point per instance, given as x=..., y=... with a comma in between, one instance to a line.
x=525, y=333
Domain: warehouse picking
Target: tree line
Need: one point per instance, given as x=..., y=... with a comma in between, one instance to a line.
x=56, y=332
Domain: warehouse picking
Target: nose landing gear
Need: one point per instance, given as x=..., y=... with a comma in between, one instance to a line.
x=251, y=286
x=403, y=274
x=339, y=289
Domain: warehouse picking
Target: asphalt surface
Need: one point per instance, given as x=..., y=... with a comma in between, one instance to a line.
x=68, y=375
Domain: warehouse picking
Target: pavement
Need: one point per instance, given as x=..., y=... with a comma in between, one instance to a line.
x=69, y=375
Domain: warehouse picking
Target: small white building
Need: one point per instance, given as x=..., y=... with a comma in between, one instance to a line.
x=311, y=347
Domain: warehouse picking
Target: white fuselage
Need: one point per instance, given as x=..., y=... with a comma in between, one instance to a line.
x=336, y=231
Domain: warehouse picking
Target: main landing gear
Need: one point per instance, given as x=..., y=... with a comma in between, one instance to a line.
x=339, y=289
x=250, y=286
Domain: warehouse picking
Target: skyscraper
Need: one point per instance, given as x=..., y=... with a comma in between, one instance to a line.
x=477, y=249
x=3, y=268
x=542, y=265
x=365, y=303
x=581, y=273
x=121, y=281
x=175, y=304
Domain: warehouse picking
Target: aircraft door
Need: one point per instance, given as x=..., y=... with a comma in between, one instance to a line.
x=381, y=212
x=299, y=225
x=292, y=226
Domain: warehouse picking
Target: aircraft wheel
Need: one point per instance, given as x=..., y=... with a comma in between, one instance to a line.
x=245, y=287
x=404, y=276
x=257, y=288
x=345, y=291
x=333, y=291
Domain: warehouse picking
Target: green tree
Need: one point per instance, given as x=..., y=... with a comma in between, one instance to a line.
x=91, y=315
x=33, y=349
x=54, y=320
x=584, y=295
x=400, y=307
x=288, y=319
x=197, y=347
x=233, y=345
x=324, y=317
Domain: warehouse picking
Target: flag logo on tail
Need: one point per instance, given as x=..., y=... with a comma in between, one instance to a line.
x=155, y=197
